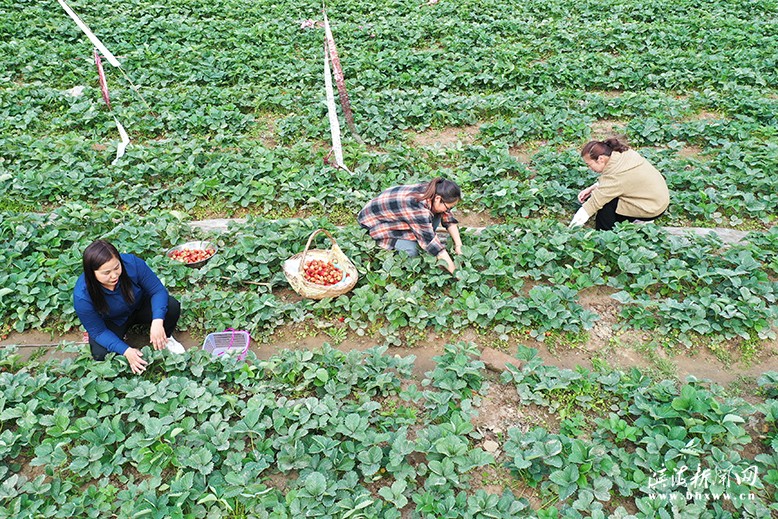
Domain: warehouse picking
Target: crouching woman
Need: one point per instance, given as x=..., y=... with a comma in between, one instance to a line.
x=117, y=291
x=405, y=218
x=629, y=187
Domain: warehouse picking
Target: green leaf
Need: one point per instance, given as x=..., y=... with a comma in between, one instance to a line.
x=322, y=375
x=209, y=498
x=315, y=483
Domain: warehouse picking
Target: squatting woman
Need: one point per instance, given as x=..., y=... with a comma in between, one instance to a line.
x=119, y=290
x=629, y=187
x=405, y=218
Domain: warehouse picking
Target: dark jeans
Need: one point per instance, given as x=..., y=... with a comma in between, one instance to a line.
x=141, y=316
x=607, y=217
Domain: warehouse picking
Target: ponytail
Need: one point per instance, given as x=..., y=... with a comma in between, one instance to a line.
x=448, y=190
x=593, y=149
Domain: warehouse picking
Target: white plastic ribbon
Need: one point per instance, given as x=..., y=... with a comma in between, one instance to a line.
x=94, y=39
x=125, y=139
x=332, y=113
x=123, y=144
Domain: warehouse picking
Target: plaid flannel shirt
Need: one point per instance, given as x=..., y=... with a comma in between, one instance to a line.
x=398, y=214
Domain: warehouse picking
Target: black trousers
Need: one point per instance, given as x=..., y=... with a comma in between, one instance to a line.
x=141, y=316
x=607, y=217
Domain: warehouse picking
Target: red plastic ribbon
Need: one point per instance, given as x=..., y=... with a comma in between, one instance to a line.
x=101, y=78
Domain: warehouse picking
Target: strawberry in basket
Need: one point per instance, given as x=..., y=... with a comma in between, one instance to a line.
x=322, y=273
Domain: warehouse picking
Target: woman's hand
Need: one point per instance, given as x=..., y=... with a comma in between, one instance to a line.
x=157, y=335
x=586, y=193
x=134, y=357
x=449, y=262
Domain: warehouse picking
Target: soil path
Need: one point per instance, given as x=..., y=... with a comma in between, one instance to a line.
x=723, y=364
x=476, y=222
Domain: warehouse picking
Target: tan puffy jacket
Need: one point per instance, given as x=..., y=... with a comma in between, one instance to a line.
x=640, y=188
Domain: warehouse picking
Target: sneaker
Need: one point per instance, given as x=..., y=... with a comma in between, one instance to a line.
x=173, y=346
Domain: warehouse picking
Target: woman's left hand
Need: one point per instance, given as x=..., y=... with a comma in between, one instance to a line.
x=453, y=231
x=157, y=336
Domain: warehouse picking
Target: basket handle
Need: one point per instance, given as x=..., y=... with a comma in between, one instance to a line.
x=246, y=349
x=307, y=246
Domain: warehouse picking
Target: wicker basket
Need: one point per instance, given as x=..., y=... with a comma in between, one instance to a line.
x=293, y=269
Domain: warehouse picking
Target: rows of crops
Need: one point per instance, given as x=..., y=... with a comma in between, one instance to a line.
x=198, y=437
x=735, y=187
x=510, y=278
x=205, y=142
x=229, y=119
x=514, y=282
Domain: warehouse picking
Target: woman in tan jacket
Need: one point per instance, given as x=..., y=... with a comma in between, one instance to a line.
x=629, y=188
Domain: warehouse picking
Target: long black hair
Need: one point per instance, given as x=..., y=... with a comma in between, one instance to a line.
x=447, y=189
x=96, y=255
x=593, y=149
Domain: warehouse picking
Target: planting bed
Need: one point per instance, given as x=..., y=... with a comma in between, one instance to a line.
x=380, y=403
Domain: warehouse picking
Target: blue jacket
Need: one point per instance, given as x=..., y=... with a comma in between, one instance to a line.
x=144, y=284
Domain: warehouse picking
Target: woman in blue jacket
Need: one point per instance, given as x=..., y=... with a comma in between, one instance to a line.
x=117, y=291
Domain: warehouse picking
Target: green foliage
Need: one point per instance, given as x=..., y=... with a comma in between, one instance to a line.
x=457, y=380
x=239, y=127
x=654, y=439
x=663, y=283
x=234, y=126
x=197, y=435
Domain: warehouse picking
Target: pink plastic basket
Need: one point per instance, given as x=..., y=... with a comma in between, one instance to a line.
x=228, y=342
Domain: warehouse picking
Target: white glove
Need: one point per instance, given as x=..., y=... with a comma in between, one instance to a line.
x=174, y=346
x=580, y=218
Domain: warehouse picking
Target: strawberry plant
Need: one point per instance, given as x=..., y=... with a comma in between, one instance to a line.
x=657, y=429
x=713, y=292
x=215, y=449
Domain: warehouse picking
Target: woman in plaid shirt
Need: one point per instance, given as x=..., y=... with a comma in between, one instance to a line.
x=403, y=217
